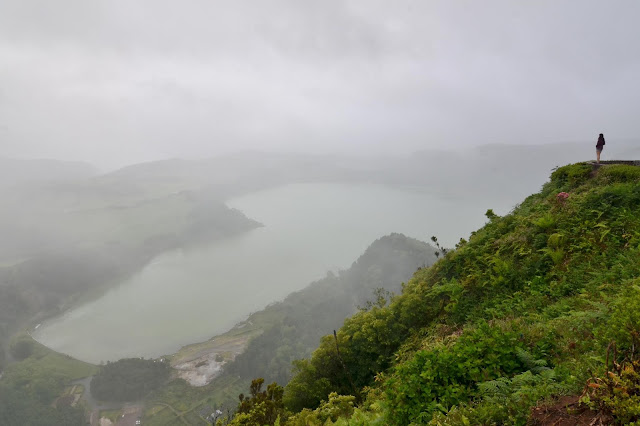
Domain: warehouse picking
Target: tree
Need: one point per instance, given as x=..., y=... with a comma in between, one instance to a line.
x=22, y=349
x=263, y=407
x=129, y=379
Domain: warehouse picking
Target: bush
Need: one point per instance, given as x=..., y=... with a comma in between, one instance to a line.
x=617, y=393
x=572, y=175
x=503, y=401
x=129, y=379
x=620, y=173
x=263, y=407
x=624, y=321
x=434, y=380
x=21, y=349
x=337, y=406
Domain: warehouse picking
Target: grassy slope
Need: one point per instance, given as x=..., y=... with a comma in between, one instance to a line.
x=43, y=363
x=521, y=313
x=29, y=389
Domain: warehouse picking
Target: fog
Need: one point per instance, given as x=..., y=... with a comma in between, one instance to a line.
x=115, y=82
x=167, y=168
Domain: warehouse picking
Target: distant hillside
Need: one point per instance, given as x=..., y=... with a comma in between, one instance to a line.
x=236, y=174
x=19, y=172
x=500, y=171
x=489, y=171
x=496, y=171
x=522, y=314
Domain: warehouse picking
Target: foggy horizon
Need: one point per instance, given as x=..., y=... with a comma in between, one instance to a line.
x=392, y=212
x=102, y=167
x=114, y=83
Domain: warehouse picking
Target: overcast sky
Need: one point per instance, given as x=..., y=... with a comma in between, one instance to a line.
x=121, y=81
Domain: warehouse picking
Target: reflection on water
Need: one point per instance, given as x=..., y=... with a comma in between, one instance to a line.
x=189, y=295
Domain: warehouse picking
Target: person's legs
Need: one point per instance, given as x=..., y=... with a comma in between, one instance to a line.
x=598, y=151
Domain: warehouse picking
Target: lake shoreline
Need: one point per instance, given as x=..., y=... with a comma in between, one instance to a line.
x=191, y=295
x=94, y=293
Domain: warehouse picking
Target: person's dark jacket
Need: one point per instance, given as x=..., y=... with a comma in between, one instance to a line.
x=600, y=142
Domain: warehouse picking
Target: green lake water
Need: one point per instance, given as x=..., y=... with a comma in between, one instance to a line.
x=189, y=295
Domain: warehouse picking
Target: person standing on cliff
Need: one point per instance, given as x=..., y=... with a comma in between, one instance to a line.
x=599, y=146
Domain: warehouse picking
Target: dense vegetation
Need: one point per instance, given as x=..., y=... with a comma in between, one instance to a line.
x=29, y=389
x=21, y=408
x=129, y=379
x=523, y=312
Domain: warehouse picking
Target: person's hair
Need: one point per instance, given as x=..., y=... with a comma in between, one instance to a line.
x=601, y=135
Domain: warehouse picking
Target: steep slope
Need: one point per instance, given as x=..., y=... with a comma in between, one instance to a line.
x=310, y=313
x=520, y=314
x=287, y=330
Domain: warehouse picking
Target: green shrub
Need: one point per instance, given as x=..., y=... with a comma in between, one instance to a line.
x=129, y=379
x=624, y=321
x=572, y=175
x=337, y=406
x=545, y=222
x=503, y=401
x=617, y=392
x=620, y=173
x=262, y=408
x=22, y=348
x=435, y=380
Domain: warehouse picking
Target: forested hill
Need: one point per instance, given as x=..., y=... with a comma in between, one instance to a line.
x=308, y=314
x=500, y=329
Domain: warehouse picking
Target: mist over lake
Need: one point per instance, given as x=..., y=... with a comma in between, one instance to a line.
x=189, y=295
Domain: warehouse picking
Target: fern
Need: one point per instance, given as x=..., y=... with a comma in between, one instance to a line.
x=495, y=388
x=536, y=366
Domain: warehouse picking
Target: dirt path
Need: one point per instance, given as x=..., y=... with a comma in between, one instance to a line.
x=130, y=413
x=567, y=412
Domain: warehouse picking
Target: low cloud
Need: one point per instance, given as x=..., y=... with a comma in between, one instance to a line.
x=114, y=82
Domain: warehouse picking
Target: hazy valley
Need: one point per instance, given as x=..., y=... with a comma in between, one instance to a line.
x=329, y=213
x=144, y=260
